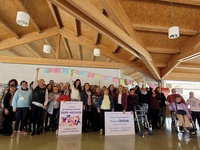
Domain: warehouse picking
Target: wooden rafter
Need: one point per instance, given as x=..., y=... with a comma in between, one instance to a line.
x=114, y=50
x=21, y=6
x=189, y=51
x=162, y=50
x=132, y=58
x=13, y=53
x=188, y=66
x=80, y=52
x=115, y=9
x=52, y=49
x=58, y=46
x=183, y=76
x=67, y=7
x=98, y=36
x=67, y=47
x=161, y=29
x=187, y=2
x=76, y=27
x=104, y=51
x=27, y=38
x=9, y=29
x=59, y=62
x=32, y=50
x=54, y=12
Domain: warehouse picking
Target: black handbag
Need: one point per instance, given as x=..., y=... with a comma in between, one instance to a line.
x=181, y=112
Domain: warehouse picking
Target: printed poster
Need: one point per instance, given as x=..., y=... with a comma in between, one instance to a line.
x=119, y=123
x=70, y=119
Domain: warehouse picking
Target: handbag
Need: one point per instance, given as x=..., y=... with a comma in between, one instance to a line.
x=181, y=112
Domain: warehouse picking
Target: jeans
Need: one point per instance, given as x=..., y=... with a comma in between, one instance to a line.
x=21, y=115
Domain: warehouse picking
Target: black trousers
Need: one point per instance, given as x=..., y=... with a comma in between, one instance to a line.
x=95, y=119
x=8, y=120
x=36, y=117
x=87, y=119
x=119, y=107
x=102, y=118
x=196, y=116
x=21, y=115
x=154, y=115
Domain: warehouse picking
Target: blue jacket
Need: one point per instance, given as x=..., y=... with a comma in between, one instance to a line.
x=100, y=99
x=22, y=98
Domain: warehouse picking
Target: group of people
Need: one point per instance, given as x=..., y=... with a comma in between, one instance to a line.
x=37, y=108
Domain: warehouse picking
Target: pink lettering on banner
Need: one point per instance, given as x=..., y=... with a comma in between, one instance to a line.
x=115, y=79
x=58, y=70
x=90, y=75
x=103, y=77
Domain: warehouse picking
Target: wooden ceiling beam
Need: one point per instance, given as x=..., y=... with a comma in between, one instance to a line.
x=132, y=58
x=52, y=49
x=21, y=6
x=13, y=53
x=9, y=29
x=162, y=50
x=32, y=50
x=59, y=62
x=187, y=2
x=189, y=51
x=98, y=36
x=54, y=12
x=115, y=9
x=189, y=66
x=76, y=27
x=67, y=47
x=58, y=46
x=80, y=52
x=92, y=57
x=161, y=29
x=108, y=60
x=104, y=51
x=75, y=12
x=27, y=38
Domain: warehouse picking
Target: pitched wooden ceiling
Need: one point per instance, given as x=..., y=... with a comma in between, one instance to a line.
x=131, y=34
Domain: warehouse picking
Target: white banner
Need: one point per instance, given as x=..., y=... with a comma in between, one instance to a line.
x=119, y=123
x=70, y=119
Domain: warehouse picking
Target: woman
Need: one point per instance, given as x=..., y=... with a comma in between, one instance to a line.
x=8, y=113
x=39, y=102
x=53, y=108
x=86, y=97
x=154, y=108
x=76, y=90
x=49, y=87
x=162, y=104
x=65, y=86
x=21, y=104
x=133, y=101
x=105, y=104
x=95, y=114
x=112, y=90
x=120, y=100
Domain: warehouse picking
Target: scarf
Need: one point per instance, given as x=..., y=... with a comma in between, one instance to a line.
x=89, y=98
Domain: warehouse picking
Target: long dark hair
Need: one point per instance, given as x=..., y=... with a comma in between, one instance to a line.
x=85, y=85
x=79, y=86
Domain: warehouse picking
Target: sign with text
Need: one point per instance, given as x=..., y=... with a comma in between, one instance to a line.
x=119, y=123
x=70, y=119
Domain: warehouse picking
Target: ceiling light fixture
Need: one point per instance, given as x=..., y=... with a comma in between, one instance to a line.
x=22, y=19
x=97, y=52
x=47, y=48
x=173, y=32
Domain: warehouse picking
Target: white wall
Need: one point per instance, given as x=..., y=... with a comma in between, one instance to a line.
x=26, y=72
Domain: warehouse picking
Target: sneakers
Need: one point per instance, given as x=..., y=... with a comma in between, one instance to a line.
x=101, y=131
x=14, y=133
x=23, y=132
x=192, y=131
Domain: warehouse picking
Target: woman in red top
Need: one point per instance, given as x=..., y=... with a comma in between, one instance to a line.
x=65, y=96
x=154, y=108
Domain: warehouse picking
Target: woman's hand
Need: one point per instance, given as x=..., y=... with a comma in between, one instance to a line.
x=124, y=111
x=98, y=110
x=83, y=107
